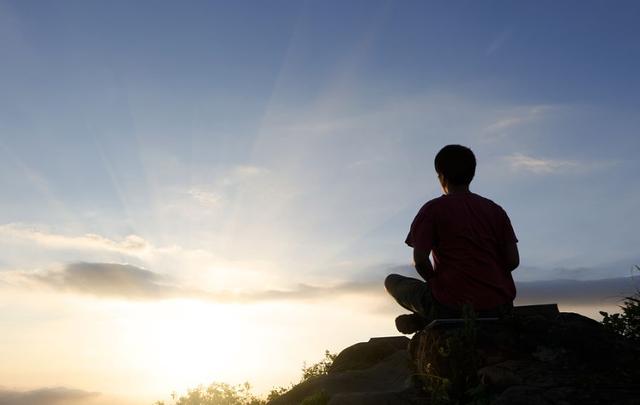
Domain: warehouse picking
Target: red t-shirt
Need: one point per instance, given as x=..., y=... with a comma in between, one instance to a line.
x=465, y=233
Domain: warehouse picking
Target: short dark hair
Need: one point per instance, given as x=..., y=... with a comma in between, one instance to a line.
x=457, y=164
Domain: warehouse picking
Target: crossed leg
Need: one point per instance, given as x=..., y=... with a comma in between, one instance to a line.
x=411, y=293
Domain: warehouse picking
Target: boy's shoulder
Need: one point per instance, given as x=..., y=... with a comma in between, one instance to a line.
x=453, y=199
x=486, y=201
x=430, y=205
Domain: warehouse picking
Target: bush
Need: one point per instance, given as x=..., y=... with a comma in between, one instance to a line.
x=218, y=394
x=224, y=394
x=627, y=323
x=277, y=392
x=451, y=375
x=320, y=368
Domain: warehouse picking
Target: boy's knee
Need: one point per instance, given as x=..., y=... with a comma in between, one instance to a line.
x=391, y=280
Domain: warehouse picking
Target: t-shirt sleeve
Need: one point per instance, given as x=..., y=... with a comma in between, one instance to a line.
x=508, y=234
x=422, y=232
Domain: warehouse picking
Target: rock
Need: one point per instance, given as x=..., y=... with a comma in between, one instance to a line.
x=537, y=356
x=377, y=372
x=547, y=311
x=501, y=375
x=366, y=354
x=531, y=359
x=410, y=397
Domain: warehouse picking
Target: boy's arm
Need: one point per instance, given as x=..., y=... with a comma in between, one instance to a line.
x=423, y=264
x=511, y=256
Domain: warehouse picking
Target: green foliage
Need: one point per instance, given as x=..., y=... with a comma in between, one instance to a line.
x=217, y=394
x=451, y=376
x=277, y=392
x=224, y=394
x=320, y=368
x=438, y=387
x=626, y=323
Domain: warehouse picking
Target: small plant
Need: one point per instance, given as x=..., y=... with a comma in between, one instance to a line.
x=627, y=323
x=276, y=392
x=451, y=376
x=320, y=368
x=438, y=387
x=224, y=394
x=217, y=394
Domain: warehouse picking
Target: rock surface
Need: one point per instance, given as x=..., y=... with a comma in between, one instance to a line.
x=534, y=358
x=530, y=358
x=377, y=372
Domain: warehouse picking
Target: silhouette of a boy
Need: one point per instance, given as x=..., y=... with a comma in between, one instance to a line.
x=473, y=247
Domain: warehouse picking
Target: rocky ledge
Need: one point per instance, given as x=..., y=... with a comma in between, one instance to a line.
x=537, y=356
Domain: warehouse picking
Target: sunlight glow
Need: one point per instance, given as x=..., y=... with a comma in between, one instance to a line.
x=215, y=191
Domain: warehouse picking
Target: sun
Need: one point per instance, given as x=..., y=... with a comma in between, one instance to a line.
x=179, y=344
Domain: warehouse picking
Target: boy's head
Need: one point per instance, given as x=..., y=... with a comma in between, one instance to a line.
x=456, y=164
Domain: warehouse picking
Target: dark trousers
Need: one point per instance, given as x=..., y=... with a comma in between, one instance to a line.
x=411, y=293
x=415, y=296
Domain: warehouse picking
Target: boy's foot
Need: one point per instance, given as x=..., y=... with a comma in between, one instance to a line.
x=410, y=323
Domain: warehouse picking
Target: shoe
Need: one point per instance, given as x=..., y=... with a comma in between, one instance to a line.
x=410, y=323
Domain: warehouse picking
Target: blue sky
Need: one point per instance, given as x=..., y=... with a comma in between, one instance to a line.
x=233, y=146
x=107, y=105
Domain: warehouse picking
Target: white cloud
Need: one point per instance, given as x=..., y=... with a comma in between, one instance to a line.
x=241, y=173
x=519, y=161
x=516, y=117
x=131, y=244
x=205, y=197
x=498, y=42
x=504, y=123
x=215, y=193
x=36, y=247
x=538, y=165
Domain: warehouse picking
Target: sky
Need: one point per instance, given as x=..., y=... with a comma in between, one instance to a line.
x=214, y=191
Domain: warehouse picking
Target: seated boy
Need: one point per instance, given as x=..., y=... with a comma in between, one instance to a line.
x=473, y=247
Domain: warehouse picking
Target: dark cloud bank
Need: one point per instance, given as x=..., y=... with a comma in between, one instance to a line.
x=121, y=281
x=109, y=280
x=124, y=281
x=576, y=292
x=46, y=396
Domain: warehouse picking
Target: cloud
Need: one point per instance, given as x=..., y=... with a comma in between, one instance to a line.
x=131, y=244
x=565, y=291
x=35, y=247
x=576, y=292
x=46, y=396
x=615, y=269
x=215, y=193
x=242, y=173
x=204, y=197
x=517, y=116
x=518, y=161
x=522, y=162
x=125, y=281
x=106, y=280
x=498, y=42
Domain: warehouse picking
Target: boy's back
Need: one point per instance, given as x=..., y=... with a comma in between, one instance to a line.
x=465, y=233
x=473, y=246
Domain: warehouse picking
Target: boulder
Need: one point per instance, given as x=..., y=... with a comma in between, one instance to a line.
x=535, y=356
x=377, y=372
x=528, y=358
